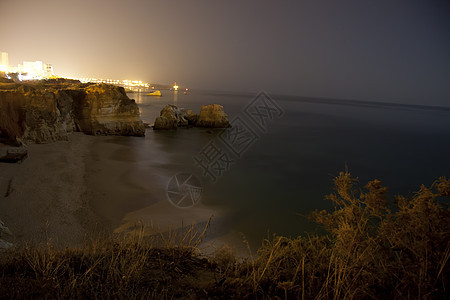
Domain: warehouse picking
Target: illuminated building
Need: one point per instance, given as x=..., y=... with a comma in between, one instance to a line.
x=48, y=68
x=35, y=70
x=4, y=64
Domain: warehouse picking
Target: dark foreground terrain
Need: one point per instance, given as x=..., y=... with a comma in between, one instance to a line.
x=374, y=248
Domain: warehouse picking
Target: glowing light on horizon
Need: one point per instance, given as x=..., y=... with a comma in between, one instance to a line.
x=125, y=82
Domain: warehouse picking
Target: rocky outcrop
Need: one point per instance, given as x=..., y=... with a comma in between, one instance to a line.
x=43, y=112
x=190, y=116
x=172, y=117
x=168, y=118
x=211, y=116
x=31, y=116
x=106, y=110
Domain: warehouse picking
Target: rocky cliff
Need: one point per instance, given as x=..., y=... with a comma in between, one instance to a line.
x=47, y=111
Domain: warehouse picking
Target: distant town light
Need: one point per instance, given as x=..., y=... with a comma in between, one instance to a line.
x=32, y=70
x=125, y=82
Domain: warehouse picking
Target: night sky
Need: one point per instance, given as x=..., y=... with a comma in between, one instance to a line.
x=383, y=50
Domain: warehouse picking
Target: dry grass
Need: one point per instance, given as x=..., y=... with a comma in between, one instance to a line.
x=372, y=250
x=124, y=267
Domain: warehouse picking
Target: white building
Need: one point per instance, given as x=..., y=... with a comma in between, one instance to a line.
x=35, y=70
x=28, y=70
x=4, y=64
x=48, y=69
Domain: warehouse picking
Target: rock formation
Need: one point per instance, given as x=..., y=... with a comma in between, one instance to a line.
x=106, y=110
x=211, y=116
x=168, y=118
x=172, y=117
x=190, y=116
x=47, y=111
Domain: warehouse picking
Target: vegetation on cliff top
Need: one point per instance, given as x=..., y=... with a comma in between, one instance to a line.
x=372, y=250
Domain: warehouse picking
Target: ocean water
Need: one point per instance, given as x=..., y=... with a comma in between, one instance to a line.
x=287, y=170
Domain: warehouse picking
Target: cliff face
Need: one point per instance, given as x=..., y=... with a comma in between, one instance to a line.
x=33, y=116
x=107, y=110
x=46, y=112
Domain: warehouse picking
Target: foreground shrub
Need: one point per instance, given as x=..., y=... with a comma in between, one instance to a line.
x=372, y=250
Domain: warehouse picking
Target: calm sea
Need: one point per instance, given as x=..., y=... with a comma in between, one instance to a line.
x=287, y=170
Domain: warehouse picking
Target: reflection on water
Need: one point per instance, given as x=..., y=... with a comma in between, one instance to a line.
x=142, y=98
x=175, y=98
x=138, y=98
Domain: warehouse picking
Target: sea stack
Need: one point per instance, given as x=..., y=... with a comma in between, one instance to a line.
x=211, y=116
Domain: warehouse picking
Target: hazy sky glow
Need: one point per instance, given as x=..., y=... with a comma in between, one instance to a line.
x=384, y=50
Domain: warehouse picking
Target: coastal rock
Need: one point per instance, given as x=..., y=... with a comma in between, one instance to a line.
x=167, y=118
x=213, y=116
x=190, y=116
x=172, y=117
x=31, y=116
x=107, y=110
x=181, y=115
x=43, y=112
x=164, y=123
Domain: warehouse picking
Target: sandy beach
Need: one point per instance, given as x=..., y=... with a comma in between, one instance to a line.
x=69, y=191
x=44, y=197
